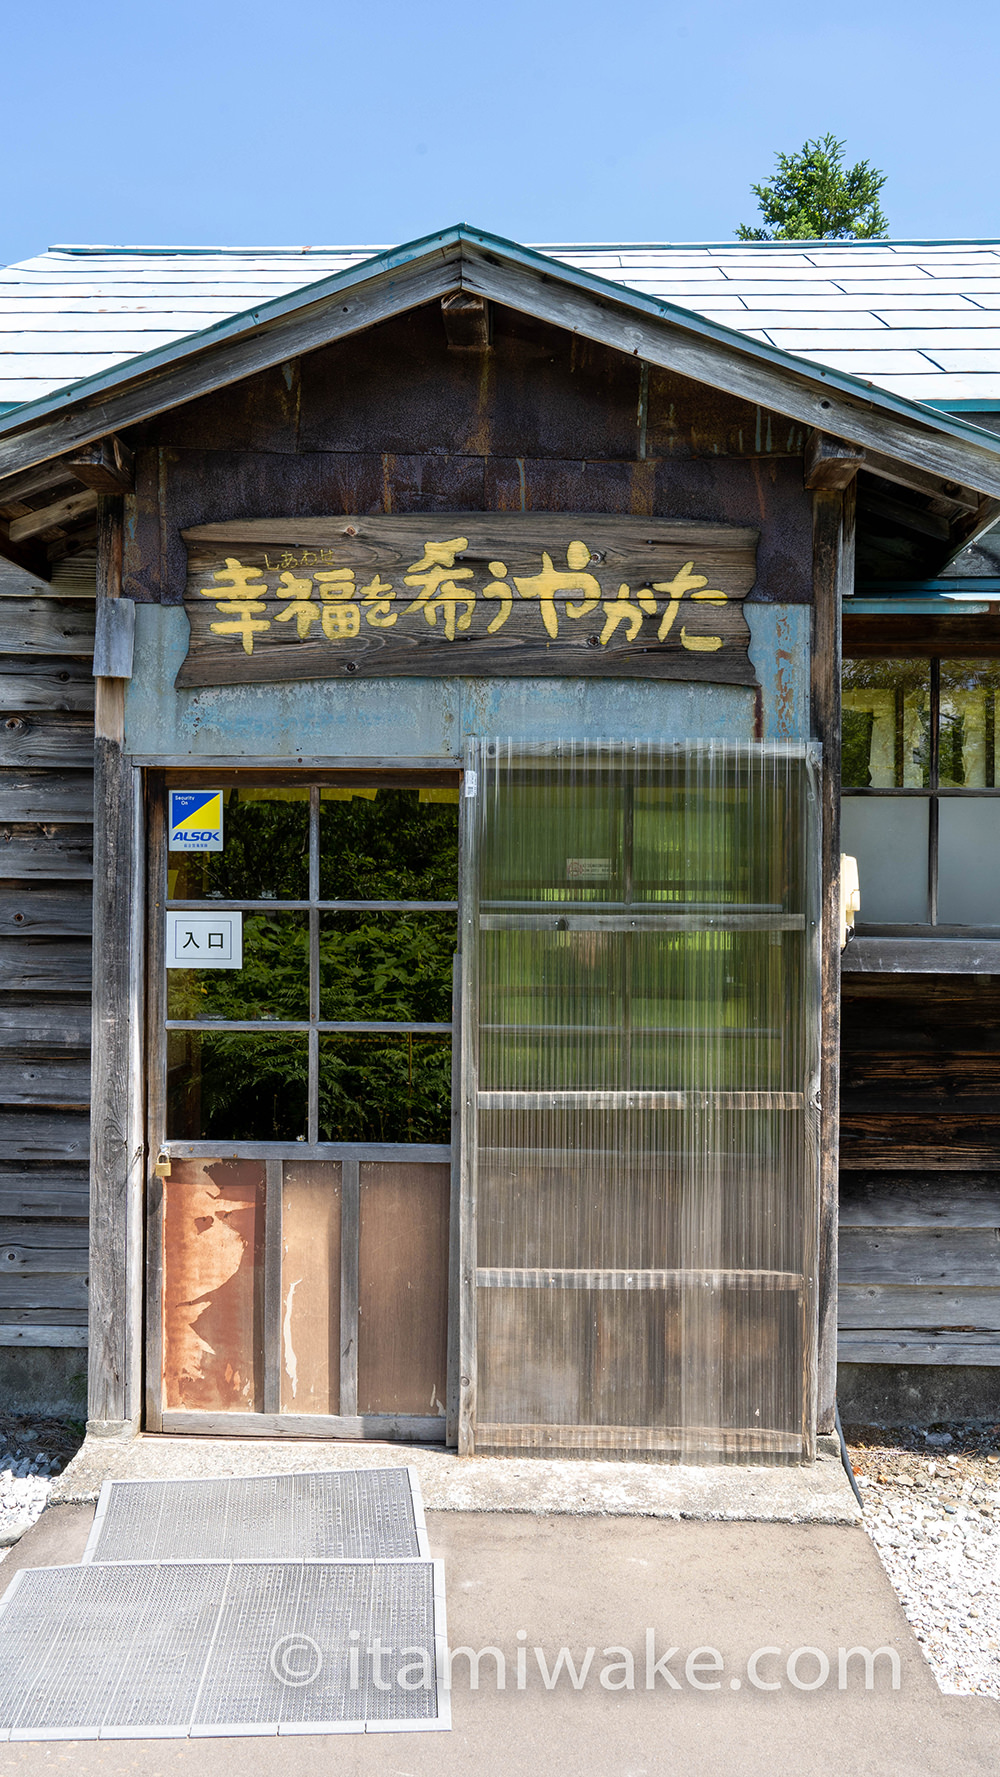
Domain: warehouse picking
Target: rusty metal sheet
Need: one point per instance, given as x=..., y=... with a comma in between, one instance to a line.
x=213, y=1242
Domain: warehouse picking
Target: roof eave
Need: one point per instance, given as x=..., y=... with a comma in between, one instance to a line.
x=505, y=272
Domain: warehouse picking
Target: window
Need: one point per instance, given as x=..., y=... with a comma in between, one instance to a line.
x=337, y=1027
x=921, y=809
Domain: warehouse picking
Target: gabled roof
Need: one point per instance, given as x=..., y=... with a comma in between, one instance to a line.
x=359, y=296
x=921, y=319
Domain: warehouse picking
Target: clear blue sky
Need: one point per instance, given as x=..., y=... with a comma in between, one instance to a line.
x=316, y=122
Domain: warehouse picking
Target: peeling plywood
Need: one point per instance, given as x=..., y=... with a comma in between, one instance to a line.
x=213, y=1233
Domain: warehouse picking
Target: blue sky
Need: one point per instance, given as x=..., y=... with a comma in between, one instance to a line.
x=207, y=122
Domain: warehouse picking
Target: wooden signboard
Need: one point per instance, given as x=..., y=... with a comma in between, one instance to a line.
x=578, y=595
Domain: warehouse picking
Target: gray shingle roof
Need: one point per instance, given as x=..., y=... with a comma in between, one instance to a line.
x=920, y=319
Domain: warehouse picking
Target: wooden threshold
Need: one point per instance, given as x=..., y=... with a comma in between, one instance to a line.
x=399, y=1428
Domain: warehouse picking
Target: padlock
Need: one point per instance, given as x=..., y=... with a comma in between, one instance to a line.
x=162, y=1167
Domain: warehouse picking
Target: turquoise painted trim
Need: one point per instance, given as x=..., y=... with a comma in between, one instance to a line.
x=992, y=406
x=974, y=585
x=913, y=607
x=431, y=718
x=450, y=240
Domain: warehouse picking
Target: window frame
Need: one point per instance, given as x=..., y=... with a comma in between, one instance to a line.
x=313, y=1027
x=933, y=792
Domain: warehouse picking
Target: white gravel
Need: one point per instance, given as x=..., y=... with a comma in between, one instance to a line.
x=936, y=1526
x=25, y=1481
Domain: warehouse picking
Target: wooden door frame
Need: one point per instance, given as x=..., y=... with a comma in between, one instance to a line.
x=349, y=1424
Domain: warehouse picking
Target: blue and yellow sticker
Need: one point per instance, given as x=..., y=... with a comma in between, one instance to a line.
x=195, y=820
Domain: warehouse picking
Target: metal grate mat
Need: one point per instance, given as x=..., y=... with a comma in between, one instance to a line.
x=340, y=1515
x=141, y=1650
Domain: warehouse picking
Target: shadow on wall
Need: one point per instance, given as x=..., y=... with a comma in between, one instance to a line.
x=49, y=1382
x=917, y=1394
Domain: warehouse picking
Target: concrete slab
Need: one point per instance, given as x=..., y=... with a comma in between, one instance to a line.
x=818, y=1493
x=719, y=1591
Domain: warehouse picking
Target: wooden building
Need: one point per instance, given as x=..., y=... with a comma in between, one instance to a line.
x=449, y=646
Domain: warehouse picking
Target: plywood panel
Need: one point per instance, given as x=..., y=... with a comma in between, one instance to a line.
x=310, y=1286
x=403, y=1288
x=213, y=1236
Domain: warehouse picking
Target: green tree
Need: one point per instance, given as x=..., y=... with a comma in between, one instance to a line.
x=814, y=197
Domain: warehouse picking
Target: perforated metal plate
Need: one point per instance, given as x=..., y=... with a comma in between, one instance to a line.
x=341, y=1515
x=133, y=1650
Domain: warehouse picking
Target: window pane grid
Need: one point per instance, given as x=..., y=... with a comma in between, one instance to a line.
x=341, y=1077
x=923, y=732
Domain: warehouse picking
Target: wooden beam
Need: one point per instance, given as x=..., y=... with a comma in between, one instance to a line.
x=117, y=1146
x=64, y=511
x=33, y=481
x=911, y=518
x=833, y=574
x=966, y=533
x=919, y=482
x=107, y=466
x=466, y=321
x=829, y=462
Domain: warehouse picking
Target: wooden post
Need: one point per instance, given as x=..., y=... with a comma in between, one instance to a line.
x=833, y=574
x=117, y=1144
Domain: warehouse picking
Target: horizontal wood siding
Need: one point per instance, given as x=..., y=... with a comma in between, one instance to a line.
x=920, y=1170
x=46, y=849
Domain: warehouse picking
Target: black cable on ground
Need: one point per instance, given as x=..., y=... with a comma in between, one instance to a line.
x=845, y=1458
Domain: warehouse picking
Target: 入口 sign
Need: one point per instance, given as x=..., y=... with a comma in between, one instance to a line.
x=507, y=594
x=204, y=940
x=195, y=818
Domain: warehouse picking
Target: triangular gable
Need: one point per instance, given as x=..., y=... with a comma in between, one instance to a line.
x=461, y=258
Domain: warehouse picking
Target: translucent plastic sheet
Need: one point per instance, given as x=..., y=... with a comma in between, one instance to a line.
x=641, y=1006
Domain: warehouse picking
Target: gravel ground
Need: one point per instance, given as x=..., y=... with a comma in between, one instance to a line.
x=932, y=1509
x=31, y=1451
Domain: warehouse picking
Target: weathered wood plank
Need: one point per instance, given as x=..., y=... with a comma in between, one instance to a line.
x=829, y=462
x=38, y=1027
x=962, y=1257
x=46, y=1336
x=395, y=1429
x=43, y=1245
x=117, y=1152
x=54, y=1135
x=59, y=512
x=946, y=1201
x=107, y=466
x=858, y=1346
x=45, y=1290
x=43, y=965
x=38, y=739
x=49, y=852
x=12, y=1318
x=53, y=913
x=114, y=638
x=887, y=1308
x=944, y=1142
x=930, y=956
x=27, y=1193
x=943, y=1074
x=46, y=626
x=49, y=795
x=580, y=594
x=57, y=1083
x=30, y=683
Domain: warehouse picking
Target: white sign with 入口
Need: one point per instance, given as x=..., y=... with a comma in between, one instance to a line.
x=204, y=940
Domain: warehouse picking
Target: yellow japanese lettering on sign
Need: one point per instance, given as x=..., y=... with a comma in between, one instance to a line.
x=241, y=602
x=329, y=601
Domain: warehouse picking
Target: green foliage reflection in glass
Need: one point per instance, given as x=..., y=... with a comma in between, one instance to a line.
x=385, y=844
x=886, y=724
x=393, y=845
x=232, y=1086
x=265, y=855
x=385, y=1088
